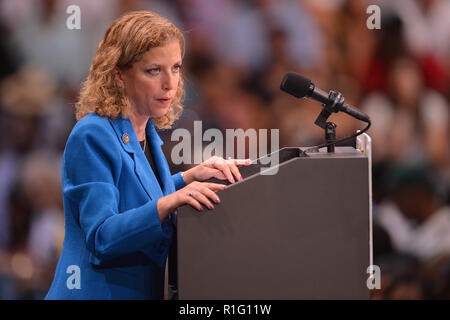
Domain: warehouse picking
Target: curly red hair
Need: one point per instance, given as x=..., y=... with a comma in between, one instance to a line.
x=125, y=41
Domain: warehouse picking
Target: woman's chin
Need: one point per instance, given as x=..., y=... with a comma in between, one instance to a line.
x=159, y=112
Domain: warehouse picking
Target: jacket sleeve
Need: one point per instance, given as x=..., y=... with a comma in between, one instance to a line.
x=91, y=167
x=178, y=181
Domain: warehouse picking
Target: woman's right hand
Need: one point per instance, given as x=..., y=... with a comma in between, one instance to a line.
x=195, y=194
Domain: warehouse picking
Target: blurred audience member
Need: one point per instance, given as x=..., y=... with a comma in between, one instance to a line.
x=40, y=34
x=427, y=33
x=41, y=181
x=410, y=123
x=416, y=221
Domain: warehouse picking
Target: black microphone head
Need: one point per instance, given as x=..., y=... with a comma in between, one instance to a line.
x=295, y=84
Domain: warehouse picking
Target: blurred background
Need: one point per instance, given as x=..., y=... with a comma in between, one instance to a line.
x=237, y=53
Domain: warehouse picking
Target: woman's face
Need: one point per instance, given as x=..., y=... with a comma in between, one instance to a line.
x=152, y=82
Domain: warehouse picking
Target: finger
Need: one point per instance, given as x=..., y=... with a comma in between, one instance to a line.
x=214, y=186
x=242, y=162
x=234, y=169
x=219, y=175
x=200, y=197
x=216, y=173
x=215, y=159
x=193, y=202
x=225, y=170
x=210, y=194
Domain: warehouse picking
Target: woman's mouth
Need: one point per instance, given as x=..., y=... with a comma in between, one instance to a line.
x=165, y=101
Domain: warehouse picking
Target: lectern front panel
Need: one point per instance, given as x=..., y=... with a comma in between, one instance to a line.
x=302, y=233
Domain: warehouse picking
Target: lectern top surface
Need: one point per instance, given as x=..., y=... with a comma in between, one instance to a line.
x=338, y=152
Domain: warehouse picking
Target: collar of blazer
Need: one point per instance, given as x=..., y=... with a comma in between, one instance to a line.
x=123, y=126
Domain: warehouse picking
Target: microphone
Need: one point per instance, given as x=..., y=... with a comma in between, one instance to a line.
x=301, y=87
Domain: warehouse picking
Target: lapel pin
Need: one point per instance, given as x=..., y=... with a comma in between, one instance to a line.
x=125, y=138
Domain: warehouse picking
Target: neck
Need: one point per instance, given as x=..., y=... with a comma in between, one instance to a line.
x=139, y=124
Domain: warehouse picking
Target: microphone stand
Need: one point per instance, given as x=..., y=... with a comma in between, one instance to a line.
x=335, y=99
x=330, y=136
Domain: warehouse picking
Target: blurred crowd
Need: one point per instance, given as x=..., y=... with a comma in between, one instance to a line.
x=237, y=52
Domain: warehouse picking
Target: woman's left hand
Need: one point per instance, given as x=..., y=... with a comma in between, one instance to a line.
x=216, y=167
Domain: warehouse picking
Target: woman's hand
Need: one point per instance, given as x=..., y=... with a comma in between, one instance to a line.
x=216, y=167
x=195, y=194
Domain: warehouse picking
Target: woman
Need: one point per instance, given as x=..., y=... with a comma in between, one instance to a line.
x=119, y=196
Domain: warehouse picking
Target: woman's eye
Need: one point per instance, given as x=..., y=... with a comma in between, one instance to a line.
x=153, y=71
x=177, y=68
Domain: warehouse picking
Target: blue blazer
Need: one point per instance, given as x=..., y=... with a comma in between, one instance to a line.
x=115, y=246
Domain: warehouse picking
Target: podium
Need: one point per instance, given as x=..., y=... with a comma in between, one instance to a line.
x=302, y=233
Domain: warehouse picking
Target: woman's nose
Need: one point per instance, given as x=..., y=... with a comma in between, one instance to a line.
x=170, y=81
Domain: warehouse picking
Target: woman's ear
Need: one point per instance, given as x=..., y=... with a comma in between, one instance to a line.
x=118, y=78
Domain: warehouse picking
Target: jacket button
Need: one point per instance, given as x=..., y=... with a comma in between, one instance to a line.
x=125, y=138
